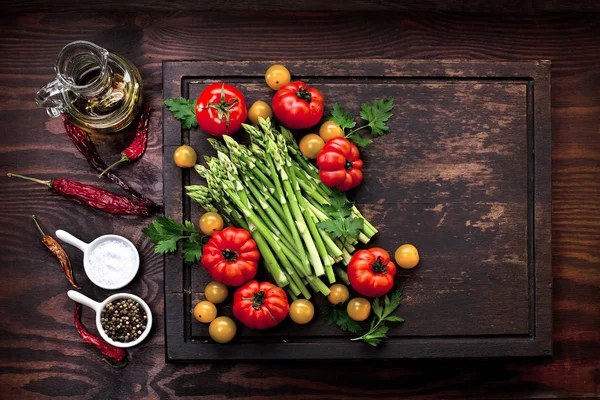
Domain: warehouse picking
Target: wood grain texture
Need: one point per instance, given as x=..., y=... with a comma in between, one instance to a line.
x=518, y=6
x=465, y=177
x=42, y=356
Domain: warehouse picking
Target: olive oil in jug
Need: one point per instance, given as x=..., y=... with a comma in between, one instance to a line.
x=98, y=90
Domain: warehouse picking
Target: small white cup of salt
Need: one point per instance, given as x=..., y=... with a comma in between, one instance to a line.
x=110, y=261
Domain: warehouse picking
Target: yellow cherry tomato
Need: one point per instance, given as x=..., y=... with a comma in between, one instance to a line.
x=407, y=256
x=329, y=130
x=205, y=311
x=302, y=311
x=259, y=109
x=216, y=292
x=277, y=75
x=338, y=293
x=359, y=308
x=211, y=222
x=222, y=329
x=311, y=145
x=185, y=157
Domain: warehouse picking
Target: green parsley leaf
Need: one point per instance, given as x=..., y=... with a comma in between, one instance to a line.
x=339, y=206
x=375, y=337
x=332, y=226
x=192, y=251
x=151, y=230
x=353, y=226
x=394, y=318
x=337, y=198
x=184, y=110
x=377, y=308
x=377, y=114
x=372, y=341
x=341, y=117
x=383, y=313
x=337, y=314
x=165, y=232
x=165, y=226
x=359, y=140
x=166, y=245
x=395, y=301
x=341, y=224
x=348, y=227
x=189, y=226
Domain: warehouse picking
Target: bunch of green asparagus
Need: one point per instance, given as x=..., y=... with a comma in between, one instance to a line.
x=302, y=227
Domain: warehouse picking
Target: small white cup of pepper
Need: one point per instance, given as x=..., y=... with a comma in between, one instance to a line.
x=123, y=319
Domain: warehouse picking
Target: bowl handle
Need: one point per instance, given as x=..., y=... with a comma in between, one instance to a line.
x=86, y=301
x=72, y=240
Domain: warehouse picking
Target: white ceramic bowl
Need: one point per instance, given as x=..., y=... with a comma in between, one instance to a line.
x=88, y=248
x=98, y=307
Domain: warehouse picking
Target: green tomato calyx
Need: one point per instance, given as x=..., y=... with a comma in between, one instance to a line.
x=304, y=94
x=229, y=256
x=258, y=300
x=223, y=108
x=379, y=267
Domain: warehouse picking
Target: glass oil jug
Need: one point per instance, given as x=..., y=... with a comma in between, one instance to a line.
x=98, y=90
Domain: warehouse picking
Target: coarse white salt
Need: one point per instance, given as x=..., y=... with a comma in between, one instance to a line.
x=111, y=263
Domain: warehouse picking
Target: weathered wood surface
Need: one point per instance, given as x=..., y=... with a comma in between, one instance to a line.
x=457, y=178
x=42, y=356
x=516, y=6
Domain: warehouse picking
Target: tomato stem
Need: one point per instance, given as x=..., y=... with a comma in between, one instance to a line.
x=349, y=165
x=229, y=255
x=258, y=300
x=304, y=94
x=223, y=108
x=379, y=267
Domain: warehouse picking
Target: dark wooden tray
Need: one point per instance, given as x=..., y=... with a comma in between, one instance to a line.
x=464, y=176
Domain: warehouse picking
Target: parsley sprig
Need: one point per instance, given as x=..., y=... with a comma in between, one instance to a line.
x=376, y=115
x=165, y=232
x=184, y=110
x=337, y=314
x=342, y=225
x=383, y=313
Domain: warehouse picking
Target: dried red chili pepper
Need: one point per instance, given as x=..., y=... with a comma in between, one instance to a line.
x=116, y=357
x=86, y=147
x=60, y=253
x=138, y=146
x=93, y=196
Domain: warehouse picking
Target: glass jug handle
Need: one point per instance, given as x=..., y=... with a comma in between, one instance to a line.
x=49, y=96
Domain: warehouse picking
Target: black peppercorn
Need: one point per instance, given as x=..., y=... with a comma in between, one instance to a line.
x=116, y=320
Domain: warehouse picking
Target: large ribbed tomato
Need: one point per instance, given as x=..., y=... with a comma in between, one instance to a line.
x=340, y=164
x=260, y=305
x=230, y=256
x=371, y=273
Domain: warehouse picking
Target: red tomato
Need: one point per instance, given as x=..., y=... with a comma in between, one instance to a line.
x=340, y=164
x=260, y=305
x=371, y=273
x=221, y=109
x=230, y=256
x=297, y=106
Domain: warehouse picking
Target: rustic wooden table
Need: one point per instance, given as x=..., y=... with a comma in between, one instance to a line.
x=42, y=355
